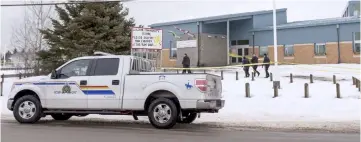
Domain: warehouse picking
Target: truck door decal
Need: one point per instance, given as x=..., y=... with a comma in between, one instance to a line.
x=87, y=90
x=97, y=90
x=189, y=86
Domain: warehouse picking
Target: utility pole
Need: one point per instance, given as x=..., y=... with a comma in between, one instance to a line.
x=199, y=44
x=276, y=81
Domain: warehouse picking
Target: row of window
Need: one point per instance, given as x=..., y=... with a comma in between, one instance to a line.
x=239, y=42
x=319, y=48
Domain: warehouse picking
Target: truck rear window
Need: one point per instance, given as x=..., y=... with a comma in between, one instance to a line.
x=107, y=66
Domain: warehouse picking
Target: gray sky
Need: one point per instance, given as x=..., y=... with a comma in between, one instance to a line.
x=147, y=12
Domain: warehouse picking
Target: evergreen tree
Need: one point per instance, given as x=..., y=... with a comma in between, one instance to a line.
x=85, y=28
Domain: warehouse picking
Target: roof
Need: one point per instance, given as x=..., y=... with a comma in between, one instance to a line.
x=219, y=17
x=310, y=23
x=350, y=3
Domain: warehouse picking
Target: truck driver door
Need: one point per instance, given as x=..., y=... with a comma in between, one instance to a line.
x=65, y=91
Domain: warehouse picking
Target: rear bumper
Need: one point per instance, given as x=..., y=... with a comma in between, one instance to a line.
x=210, y=104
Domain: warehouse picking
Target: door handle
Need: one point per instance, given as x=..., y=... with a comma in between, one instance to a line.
x=83, y=82
x=115, y=82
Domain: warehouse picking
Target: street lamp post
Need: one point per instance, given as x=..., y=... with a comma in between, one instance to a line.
x=276, y=81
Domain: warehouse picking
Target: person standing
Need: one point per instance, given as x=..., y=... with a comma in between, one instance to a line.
x=245, y=61
x=186, y=64
x=266, y=62
x=254, y=60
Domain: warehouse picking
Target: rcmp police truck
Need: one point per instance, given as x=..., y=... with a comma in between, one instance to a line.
x=115, y=85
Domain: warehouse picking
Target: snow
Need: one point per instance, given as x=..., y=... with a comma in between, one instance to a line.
x=289, y=110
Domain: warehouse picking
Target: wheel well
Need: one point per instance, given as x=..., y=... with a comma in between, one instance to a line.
x=163, y=94
x=23, y=93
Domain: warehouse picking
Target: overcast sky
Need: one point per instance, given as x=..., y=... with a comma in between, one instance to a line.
x=147, y=12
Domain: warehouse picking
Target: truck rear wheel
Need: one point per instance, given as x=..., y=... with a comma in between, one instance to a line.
x=61, y=116
x=162, y=113
x=27, y=109
x=188, y=117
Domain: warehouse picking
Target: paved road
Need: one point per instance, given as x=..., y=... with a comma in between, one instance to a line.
x=74, y=131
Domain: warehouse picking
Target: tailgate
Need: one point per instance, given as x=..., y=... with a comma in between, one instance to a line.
x=214, y=87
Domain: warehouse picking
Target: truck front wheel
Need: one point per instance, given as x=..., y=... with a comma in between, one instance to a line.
x=27, y=109
x=61, y=116
x=162, y=113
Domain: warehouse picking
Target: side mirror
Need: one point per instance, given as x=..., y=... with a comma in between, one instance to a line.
x=54, y=74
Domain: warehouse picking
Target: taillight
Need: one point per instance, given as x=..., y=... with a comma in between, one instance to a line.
x=201, y=84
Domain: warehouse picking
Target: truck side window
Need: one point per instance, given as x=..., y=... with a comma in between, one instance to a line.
x=75, y=68
x=107, y=66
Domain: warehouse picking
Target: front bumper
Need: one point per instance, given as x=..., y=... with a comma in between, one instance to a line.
x=210, y=104
x=10, y=104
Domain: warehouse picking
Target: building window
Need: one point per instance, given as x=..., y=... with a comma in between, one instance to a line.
x=173, y=53
x=289, y=50
x=320, y=49
x=356, y=42
x=234, y=42
x=263, y=50
x=246, y=51
x=239, y=42
x=242, y=42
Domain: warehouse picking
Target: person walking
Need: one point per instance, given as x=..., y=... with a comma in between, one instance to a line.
x=245, y=61
x=186, y=64
x=266, y=62
x=254, y=60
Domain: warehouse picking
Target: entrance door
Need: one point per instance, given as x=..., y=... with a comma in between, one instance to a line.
x=240, y=53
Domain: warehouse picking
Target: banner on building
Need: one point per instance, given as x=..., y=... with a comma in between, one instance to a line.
x=186, y=43
x=146, y=38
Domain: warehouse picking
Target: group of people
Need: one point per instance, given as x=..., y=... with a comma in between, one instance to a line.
x=254, y=60
x=245, y=61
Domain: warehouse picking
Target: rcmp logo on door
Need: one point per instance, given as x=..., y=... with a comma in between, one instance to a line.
x=66, y=89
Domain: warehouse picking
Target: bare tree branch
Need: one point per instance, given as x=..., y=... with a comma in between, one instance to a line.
x=27, y=36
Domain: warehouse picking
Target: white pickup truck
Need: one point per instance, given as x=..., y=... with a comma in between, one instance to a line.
x=116, y=85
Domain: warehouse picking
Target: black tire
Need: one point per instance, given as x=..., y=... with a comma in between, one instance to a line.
x=188, y=117
x=37, y=111
x=173, y=113
x=61, y=116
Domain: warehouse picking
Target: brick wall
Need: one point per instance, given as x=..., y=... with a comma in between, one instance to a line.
x=331, y=53
x=347, y=54
x=280, y=53
x=304, y=54
x=256, y=50
x=166, y=62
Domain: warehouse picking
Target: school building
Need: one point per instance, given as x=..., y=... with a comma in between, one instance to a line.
x=213, y=41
